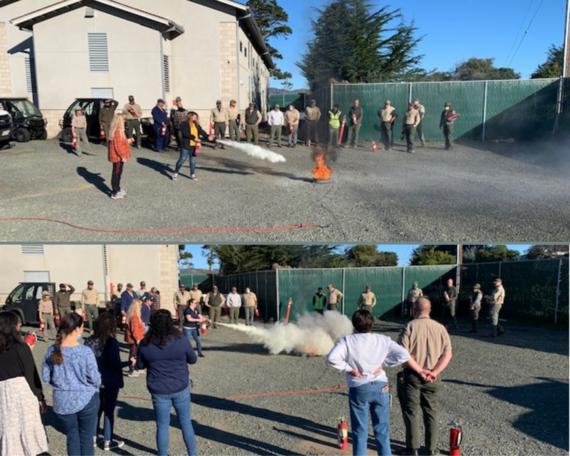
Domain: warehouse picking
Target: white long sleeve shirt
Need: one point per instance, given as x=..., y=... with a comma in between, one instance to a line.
x=233, y=300
x=366, y=353
x=275, y=118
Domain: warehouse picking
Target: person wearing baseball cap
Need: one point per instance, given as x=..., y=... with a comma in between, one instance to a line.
x=116, y=300
x=127, y=298
x=90, y=304
x=251, y=120
x=219, y=118
x=446, y=123
x=62, y=299
x=178, y=115
x=233, y=120
x=142, y=290
x=414, y=294
x=160, y=126
x=79, y=131
x=133, y=113
x=388, y=116
x=496, y=300
x=475, y=307
x=45, y=313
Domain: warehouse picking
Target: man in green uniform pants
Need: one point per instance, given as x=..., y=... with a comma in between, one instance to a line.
x=429, y=345
x=450, y=296
x=366, y=300
x=414, y=294
x=419, y=129
x=355, y=118
x=387, y=116
x=448, y=117
x=319, y=301
x=475, y=307
x=497, y=299
x=62, y=299
x=214, y=302
x=409, y=124
x=251, y=120
x=334, y=298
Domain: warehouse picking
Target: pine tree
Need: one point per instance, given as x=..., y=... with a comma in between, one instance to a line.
x=552, y=68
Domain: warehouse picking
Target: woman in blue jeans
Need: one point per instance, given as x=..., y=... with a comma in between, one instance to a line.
x=106, y=350
x=71, y=369
x=362, y=355
x=166, y=353
x=190, y=133
x=192, y=320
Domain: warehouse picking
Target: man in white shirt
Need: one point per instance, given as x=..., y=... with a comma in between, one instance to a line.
x=233, y=301
x=362, y=356
x=276, y=120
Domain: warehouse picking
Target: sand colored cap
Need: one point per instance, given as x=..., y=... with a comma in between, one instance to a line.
x=46, y=293
x=387, y=102
x=477, y=286
x=499, y=281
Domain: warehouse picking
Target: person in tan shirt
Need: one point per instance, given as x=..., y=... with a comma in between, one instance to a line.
x=181, y=298
x=220, y=118
x=411, y=121
x=79, y=131
x=292, y=117
x=496, y=299
x=313, y=115
x=366, y=300
x=387, y=116
x=45, y=313
x=90, y=304
x=429, y=344
x=133, y=113
x=196, y=293
x=233, y=122
x=333, y=298
x=249, y=304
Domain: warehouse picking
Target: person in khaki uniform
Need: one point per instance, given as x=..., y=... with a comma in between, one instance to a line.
x=292, y=117
x=419, y=129
x=180, y=300
x=334, y=297
x=133, y=113
x=414, y=294
x=45, y=313
x=366, y=300
x=409, y=124
x=387, y=116
x=90, y=304
x=446, y=123
x=496, y=299
x=475, y=306
x=249, y=304
x=233, y=121
x=251, y=120
x=214, y=302
x=62, y=299
x=313, y=115
x=79, y=131
x=196, y=294
x=429, y=345
x=220, y=118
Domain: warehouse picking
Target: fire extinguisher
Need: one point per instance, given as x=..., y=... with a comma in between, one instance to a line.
x=74, y=142
x=292, y=129
x=57, y=319
x=374, y=148
x=289, y=302
x=176, y=310
x=342, y=434
x=103, y=136
x=198, y=148
x=30, y=339
x=124, y=320
x=211, y=130
x=341, y=134
x=204, y=327
x=84, y=316
x=256, y=312
x=163, y=131
x=42, y=327
x=455, y=437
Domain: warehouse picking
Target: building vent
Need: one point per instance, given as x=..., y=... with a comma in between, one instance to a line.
x=166, y=73
x=98, y=54
x=89, y=13
x=32, y=249
x=30, y=75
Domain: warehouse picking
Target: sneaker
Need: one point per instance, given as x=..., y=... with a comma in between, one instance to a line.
x=133, y=374
x=113, y=445
x=117, y=196
x=193, y=177
x=175, y=176
x=123, y=192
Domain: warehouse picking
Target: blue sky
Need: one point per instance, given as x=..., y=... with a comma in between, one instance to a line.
x=454, y=31
x=404, y=252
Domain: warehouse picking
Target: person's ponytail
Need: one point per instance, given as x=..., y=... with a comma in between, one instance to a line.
x=57, y=356
x=67, y=325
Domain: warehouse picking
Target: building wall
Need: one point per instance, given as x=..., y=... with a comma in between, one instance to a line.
x=5, y=82
x=157, y=265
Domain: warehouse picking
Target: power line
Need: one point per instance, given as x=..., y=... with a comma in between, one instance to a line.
x=519, y=31
x=526, y=32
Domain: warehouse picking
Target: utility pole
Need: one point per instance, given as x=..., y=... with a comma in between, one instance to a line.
x=566, y=68
x=459, y=264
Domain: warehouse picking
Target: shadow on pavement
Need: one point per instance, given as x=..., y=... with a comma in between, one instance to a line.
x=94, y=179
x=69, y=149
x=250, y=349
x=163, y=168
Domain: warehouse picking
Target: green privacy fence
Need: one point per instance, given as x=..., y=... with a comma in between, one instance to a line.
x=204, y=281
x=489, y=110
x=285, y=99
x=536, y=291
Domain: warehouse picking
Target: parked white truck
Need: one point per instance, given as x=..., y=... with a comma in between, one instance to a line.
x=6, y=127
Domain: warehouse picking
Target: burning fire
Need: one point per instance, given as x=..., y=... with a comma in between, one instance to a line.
x=312, y=350
x=321, y=171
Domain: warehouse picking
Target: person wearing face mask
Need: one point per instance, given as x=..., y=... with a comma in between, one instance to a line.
x=419, y=129
x=249, y=304
x=71, y=369
x=414, y=294
x=448, y=117
x=334, y=124
x=292, y=118
x=475, y=306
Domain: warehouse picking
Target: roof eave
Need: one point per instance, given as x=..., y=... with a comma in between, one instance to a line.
x=258, y=37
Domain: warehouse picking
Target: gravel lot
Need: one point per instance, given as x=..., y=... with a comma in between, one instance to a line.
x=505, y=193
x=510, y=394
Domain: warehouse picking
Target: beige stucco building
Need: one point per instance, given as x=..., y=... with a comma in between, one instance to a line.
x=201, y=50
x=157, y=265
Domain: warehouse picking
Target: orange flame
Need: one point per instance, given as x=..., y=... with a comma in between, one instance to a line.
x=321, y=171
x=312, y=351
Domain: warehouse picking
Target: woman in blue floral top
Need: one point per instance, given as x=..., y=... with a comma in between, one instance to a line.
x=71, y=369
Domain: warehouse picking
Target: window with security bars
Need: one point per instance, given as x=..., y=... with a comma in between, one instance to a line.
x=98, y=52
x=30, y=74
x=105, y=261
x=166, y=73
x=32, y=249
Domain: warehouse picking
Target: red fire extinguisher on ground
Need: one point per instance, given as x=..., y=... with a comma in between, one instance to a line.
x=342, y=434
x=204, y=328
x=103, y=136
x=57, y=319
x=455, y=437
x=198, y=148
x=374, y=148
x=74, y=142
x=42, y=327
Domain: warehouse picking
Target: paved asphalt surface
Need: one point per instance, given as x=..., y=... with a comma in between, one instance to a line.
x=510, y=395
x=506, y=193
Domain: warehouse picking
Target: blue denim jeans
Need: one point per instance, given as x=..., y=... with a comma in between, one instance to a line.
x=184, y=153
x=362, y=400
x=80, y=428
x=108, y=397
x=193, y=332
x=162, y=404
x=160, y=142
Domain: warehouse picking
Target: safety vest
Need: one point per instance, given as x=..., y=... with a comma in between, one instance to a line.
x=335, y=119
x=320, y=301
